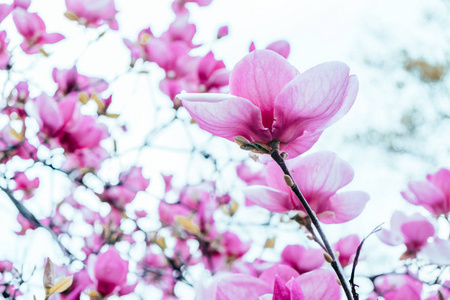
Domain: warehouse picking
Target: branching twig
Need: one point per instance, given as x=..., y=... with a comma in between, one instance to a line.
x=355, y=261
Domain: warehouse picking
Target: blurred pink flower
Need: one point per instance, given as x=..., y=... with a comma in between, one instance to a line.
x=413, y=231
x=270, y=100
x=433, y=194
x=92, y=13
x=222, y=32
x=110, y=272
x=278, y=283
x=319, y=176
x=32, y=28
x=398, y=286
x=70, y=81
x=25, y=185
x=347, y=247
x=302, y=259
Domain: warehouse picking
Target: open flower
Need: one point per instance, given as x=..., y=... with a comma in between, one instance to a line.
x=433, y=194
x=319, y=176
x=271, y=100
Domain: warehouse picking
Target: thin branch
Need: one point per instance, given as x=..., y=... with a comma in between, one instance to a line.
x=355, y=261
x=34, y=221
x=275, y=154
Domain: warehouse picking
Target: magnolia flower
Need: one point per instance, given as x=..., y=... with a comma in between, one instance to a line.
x=302, y=259
x=32, y=28
x=92, y=13
x=319, y=176
x=433, y=194
x=413, y=231
x=271, y=100
x=278, y=282
x=347, y=247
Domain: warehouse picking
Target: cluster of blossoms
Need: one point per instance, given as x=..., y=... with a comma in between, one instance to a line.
x=266, y=106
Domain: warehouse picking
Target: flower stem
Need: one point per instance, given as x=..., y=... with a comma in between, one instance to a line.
x=275, y=154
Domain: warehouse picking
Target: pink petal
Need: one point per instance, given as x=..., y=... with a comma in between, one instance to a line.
x=437, y=252
x=280, y=290
x=226, y=116
x=296, y=290
x=282, y=272
x=301, y=144
x=259, y=77
x=268, y=198
x=51, y=38
x=320, y=173
x=417, y=232
x=346, y=206
x=314, y=100
x=319, y=285
x=239, y=286
x=281, y=47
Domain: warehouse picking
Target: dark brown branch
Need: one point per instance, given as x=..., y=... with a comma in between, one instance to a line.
x=275, y=154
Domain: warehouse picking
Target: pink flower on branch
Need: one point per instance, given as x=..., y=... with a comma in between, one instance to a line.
x=413, y=231
x=271, y=100
x=32, y=28
x=319, y=176
x=92, y=13
x=433, y=194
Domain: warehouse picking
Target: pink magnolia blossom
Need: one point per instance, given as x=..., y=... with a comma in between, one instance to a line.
x=110, y=272
x=270, y=100
x=319, y=176
x=130, y=183
x=433, y=194
x=17, y=100
x=32, y=28
x=5, y=266
x=278, y=283
x=178, y=6
x=398, y=286
x=25, y=185
x=13, y=143
x=6, y=9
x=222, y=32
x=281, y=47
x=92, y=13
x=413, y=231
x=4, y=54
x=80, y=282
x=302, y=259
x=68, y=128
x=212, y=74
x=70, y=81
x=347, y=247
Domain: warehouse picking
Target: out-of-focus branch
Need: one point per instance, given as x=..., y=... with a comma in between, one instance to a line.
x=34, y=221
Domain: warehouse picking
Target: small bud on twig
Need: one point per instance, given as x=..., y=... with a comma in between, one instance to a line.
x=327, y=257
x=284, y=155
x=338, y=281
x=288, y=180
x=310, y=237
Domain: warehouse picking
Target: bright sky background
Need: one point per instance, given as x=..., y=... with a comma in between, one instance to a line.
x=354, y=31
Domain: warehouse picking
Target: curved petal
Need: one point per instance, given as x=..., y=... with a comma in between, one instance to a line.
x=269, y=198
x=321, y=174
x=284, y=273
x=314, y=100
x=240, y=286
x=259, y=77
x=226, y=116
x=346, y=206
x=319, y=284
x=301, y=144
x=281, y=47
